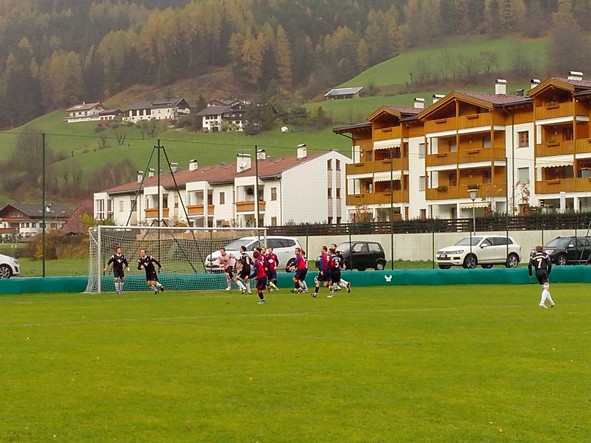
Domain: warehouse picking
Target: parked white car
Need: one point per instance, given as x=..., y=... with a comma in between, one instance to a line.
x=483, y=250
x=283, y=247
x=8, y=266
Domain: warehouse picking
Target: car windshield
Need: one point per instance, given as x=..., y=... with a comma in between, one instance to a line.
x=559, y=242
x=467, y=241
x=235, y=245
x=343, y=247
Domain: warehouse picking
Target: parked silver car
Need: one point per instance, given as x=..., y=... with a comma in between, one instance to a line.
x=8, y=266
x=483, y=250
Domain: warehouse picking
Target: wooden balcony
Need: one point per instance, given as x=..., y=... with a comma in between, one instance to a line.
x=248, y=206
x=401, y=196
x=441, y=125
x=387, y=133
x=557, y=148
x=449, y=192
x=442, y=159
x=550, y=110
x=563, y=184
x=360, y=199
x=369, y=167
x=486, y=121
x=199, y=209
x=583, y=145
x=153, y=212
x=481, y=155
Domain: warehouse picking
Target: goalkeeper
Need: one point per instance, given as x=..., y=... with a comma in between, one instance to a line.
x=119, y=262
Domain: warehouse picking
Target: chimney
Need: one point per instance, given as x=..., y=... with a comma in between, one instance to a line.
x=501, y=86
x=437, y=97
x=575, y=75
x=243, y=162
x=520, y=92
x=533, y=83
x=150, y=172
x=261, y=154
x=140, y=176
x=302, y=151
x=193, y=165
x=419, y=103
x=174, y=167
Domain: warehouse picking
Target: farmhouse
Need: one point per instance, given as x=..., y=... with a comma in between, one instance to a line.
x=25, y=220
x=220, y=115
x=84, y=112
x=224, y=195
x=517, y=151
x=164, y=109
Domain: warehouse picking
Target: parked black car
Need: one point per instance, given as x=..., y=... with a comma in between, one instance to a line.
x=569, y=250
x=361, y=255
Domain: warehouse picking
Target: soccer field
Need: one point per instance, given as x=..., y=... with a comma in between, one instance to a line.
x=397, y=364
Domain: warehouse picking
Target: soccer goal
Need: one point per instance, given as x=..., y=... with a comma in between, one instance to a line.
x=182, y=251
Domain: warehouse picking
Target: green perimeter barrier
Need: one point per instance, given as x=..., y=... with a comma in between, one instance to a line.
x=397, y=277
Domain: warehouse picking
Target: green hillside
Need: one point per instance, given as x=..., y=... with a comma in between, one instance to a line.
x=81, y=147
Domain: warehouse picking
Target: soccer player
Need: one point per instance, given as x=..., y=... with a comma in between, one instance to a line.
x=546, y=296
x=543, y=266
x=243, y=268
x=342, y=265
x=260, y=274
x=226, y=262
x=272, y=263
x=323, y=276
x=147, y=262
x=119, y=262
x=301, y=269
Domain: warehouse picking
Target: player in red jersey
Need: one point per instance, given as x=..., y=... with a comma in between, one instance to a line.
x=260, y=274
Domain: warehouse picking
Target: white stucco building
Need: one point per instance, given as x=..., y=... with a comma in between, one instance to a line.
x=304, y=188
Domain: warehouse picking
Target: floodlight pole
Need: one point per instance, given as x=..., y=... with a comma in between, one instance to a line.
x=43, y=210
x=256, y=186
x=473, y=193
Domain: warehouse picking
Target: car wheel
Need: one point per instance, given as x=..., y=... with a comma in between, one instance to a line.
x=470, y=261
x=5, y=271
x=487, y=266
x=561, y=260
x=444, y=266
x=512, y=261
x=361, y=269
x=380, y=266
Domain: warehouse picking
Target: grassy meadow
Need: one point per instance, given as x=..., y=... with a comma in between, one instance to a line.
x=382, y=364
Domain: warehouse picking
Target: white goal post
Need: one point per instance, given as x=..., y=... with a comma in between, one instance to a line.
x=182, y=251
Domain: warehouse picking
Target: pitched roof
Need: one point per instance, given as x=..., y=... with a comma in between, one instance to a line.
x=159, y=103
x=33, y=210
x=343, y=91
x=214, y=110
x=218, y=174
x=83, y=106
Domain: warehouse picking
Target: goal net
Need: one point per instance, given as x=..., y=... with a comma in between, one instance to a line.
x=184, y=253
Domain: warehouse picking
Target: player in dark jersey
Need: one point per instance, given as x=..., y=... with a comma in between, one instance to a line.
x=341, y=283
x=542, y=264
x=147, y=262
x=243, y=269
x=260, y=274
x=119, y=262
x=272, y=262
x=323, y=276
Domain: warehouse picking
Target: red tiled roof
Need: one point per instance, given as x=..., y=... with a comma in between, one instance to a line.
x=269, y=167
x=495, y=99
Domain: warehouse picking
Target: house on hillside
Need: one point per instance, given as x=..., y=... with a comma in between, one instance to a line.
x=220, y=115
x=26, y=220
x=84, y=112
x=304, y=188
x=343, y=93
x=165, y=109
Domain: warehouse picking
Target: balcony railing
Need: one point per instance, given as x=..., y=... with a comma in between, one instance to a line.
x=563, y=184
x=369, y=167
x=199, y=209
x=556, y=110
x=248, y=206
x=481, y=154
x=555, y=148
x=444, y=193
x=380, y=198
x=153, y=212
x=441, y=125
x=387, y=133
x=442, y=159
x=583, y=145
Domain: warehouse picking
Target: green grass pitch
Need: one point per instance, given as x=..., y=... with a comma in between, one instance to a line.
x=397, y=364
